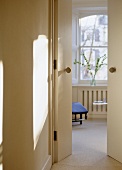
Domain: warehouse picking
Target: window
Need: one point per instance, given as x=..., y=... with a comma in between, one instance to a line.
x=93, y=43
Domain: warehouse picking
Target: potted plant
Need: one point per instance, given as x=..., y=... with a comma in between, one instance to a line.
x=100, y=62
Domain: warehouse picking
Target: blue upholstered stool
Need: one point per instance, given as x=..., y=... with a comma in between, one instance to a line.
x=78, y=108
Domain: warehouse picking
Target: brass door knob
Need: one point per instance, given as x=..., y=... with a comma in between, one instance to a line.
x=112, y=69
x=68, y=70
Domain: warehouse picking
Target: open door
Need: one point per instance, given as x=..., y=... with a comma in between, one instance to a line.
x=63, y=84
x=115, y=80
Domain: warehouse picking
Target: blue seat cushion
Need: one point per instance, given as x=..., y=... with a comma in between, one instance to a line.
x=78, y=108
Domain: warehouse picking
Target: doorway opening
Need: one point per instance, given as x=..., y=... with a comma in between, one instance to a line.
x=89, y=60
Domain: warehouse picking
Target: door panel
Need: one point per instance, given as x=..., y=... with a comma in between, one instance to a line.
x=63, y=91
x=115, y=80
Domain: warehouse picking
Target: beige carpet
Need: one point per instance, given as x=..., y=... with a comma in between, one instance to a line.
x=89, y=148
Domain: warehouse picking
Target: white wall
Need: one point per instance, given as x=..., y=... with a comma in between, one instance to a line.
x=21, y=23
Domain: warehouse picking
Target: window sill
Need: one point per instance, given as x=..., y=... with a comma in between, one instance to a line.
x=88, y=85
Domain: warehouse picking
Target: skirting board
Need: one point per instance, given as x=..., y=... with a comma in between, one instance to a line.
x=98, y=115
x=48, y=163
x=95, y=115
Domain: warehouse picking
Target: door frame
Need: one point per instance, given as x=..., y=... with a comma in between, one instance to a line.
x=52, y=88
x=53, y=62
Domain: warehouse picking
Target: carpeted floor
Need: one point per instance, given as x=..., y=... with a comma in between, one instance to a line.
x=89, y=148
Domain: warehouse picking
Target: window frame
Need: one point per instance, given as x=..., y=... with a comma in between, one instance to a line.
x=77, y=79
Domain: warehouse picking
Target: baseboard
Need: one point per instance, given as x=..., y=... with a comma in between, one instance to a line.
x=48, y=163
x=93, y=115
x=97, y=115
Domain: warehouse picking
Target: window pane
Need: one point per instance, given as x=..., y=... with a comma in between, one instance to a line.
x=94, y=30
x=92, y=55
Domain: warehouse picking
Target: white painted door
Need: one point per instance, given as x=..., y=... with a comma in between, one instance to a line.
x=63, y=84
x=115, y=80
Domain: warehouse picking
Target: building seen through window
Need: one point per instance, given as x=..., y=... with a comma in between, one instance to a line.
x=93, y=44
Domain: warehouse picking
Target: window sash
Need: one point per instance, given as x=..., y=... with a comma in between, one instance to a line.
x=76, y=79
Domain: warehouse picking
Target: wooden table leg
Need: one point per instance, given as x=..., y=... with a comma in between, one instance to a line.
x=75, y=117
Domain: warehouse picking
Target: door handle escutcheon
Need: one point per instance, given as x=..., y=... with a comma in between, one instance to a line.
x=112, y=69
x=68, y=70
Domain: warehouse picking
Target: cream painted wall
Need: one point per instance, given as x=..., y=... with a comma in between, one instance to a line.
x=20, y=24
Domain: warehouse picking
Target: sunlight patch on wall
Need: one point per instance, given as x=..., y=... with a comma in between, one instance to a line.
x=1, y=111
x=1, y=101
x=1, y=167
x=40, y=85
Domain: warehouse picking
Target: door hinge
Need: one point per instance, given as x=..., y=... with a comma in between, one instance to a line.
x=55, y=64
x=55, y=135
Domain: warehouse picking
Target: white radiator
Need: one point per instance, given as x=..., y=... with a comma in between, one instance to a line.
x=87, y=95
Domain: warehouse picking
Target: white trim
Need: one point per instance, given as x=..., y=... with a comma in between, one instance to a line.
x=48, y=163
x=76, y=47
x=101, y=82
x=88, y=85
x=97, y=116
